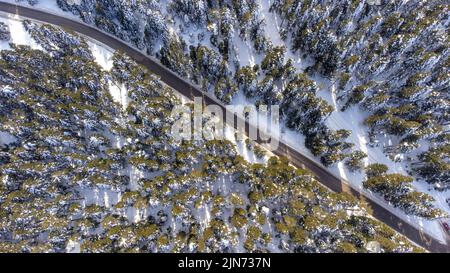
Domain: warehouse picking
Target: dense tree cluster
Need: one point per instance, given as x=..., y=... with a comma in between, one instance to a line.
x=213, y=63
x=194, y=11
x=311, y=32
x=213, y=72
x=397, y=190
x=138, y=22
x=392, y=59
x=434, y=166
x=84, y=174
x=173, y=55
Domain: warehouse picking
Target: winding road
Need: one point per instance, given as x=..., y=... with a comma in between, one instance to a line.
x=189, y=90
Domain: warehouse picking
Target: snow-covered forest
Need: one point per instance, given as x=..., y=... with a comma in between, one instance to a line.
x=81, y=172
x=363, y=88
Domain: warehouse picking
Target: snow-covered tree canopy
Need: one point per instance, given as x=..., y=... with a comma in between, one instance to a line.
x=84, y=174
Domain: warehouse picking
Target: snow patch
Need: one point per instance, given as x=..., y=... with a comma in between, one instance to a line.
x=46, y=5
x=100, y=197
x=73, y=247
x=6, y=138
x=4, y=45
x=19, y=35
x=103, y=56
x=119, y=94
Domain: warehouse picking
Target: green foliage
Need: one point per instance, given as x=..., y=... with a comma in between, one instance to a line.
x=397, y=189
x=376, y=169
x=354, y=162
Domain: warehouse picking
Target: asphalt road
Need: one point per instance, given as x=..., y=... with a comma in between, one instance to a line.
x=171, y=79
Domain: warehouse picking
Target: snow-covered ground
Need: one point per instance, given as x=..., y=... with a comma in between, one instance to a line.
x=47, y=5
x=6, y=139
x=4, y=45
x=73, y=247
x=19, y=35
x=102, y=54
x=100, y=196
x=119, y=94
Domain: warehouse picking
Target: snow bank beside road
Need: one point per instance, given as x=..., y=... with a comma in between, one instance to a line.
x=47, y=5
x=19, y=35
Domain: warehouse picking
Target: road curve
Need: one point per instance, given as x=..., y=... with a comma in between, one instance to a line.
x=189, y=90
